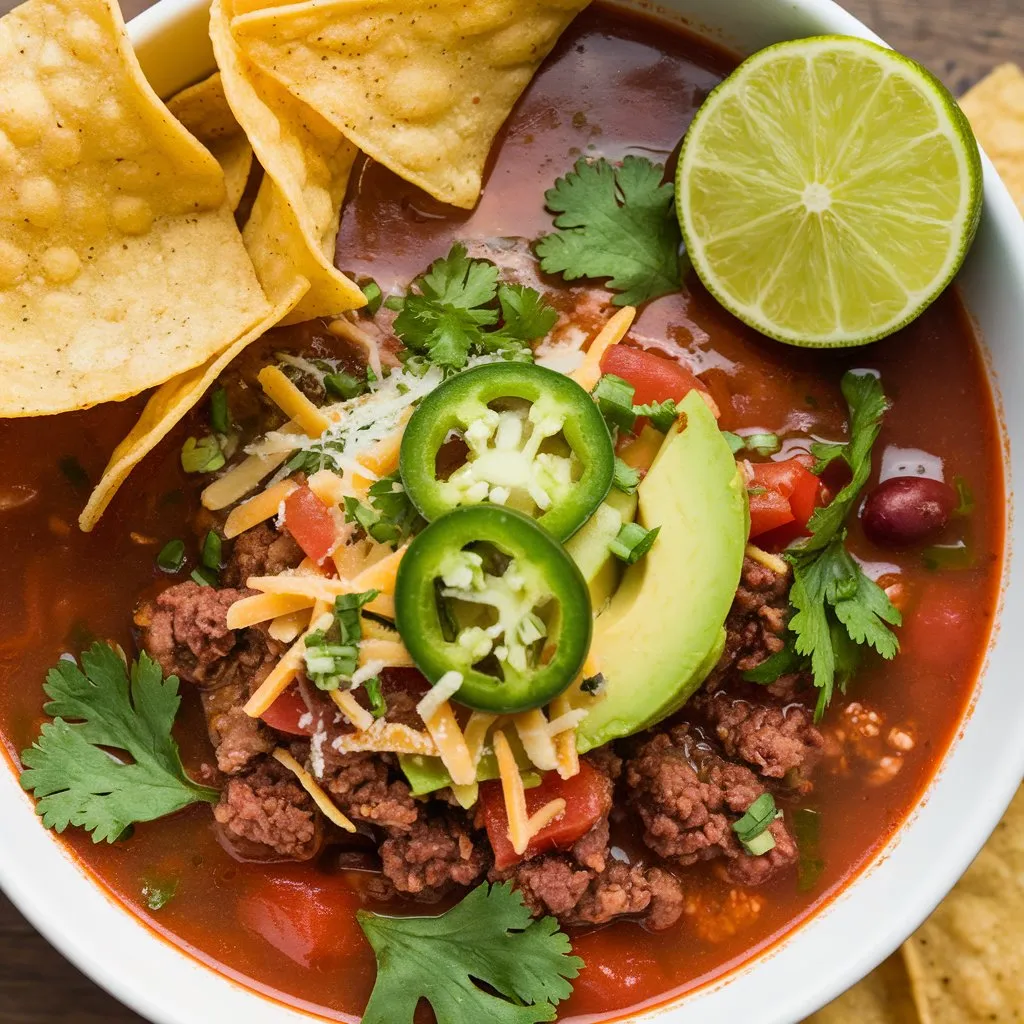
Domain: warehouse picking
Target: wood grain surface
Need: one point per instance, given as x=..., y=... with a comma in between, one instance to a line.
x=960, y=40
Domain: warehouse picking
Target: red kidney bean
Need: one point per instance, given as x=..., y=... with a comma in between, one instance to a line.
x=907, y=510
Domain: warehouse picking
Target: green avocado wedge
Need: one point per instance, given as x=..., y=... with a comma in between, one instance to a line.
x=661, y=633
x=589, y=546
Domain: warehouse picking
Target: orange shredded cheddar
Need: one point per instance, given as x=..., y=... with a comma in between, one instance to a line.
x=314, y=789
x=292, y=402
x=588, y=373
x=258, y=509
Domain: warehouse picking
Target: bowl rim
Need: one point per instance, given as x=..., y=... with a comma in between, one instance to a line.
x=194, y=992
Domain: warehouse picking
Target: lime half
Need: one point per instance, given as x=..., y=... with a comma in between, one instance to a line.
x=828, y=190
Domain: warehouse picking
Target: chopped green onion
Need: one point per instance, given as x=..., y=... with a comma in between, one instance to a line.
x=752, y=828
x=378, y=705
x=374, y=296
x=212, y=550
x=344, y=385
x=614, y=398
x=661, y=414
x=204, y=576
x=157, y=894
x=965, y=506
x=734, y=441
x=626, y=478
x=172, y=556
x=763, y=444
x=633, y=542
x=220, y=415
x=807, y=831
x=202, y=455
x=756, y=491
x=396, y=303
x=593, y=684
x=948, y=556
x=371, y=377
x=328, y=665
x=346, y=614
x=74, y=473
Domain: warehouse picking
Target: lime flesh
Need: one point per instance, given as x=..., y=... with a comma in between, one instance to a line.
x=828, y=190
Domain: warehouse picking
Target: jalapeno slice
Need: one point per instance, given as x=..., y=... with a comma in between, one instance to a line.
x=486, y=592
x=534, y=441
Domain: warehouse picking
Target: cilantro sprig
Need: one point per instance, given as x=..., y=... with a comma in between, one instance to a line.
x=487, y=939
x=458, y=308
x=390, y=516
x=616, y=223
x=75, y=780
x=837, y=609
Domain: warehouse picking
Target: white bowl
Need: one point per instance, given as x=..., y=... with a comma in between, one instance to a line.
x=819, y=959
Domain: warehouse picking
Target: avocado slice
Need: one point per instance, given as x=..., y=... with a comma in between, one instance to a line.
x=589, y=545
x=661, y=633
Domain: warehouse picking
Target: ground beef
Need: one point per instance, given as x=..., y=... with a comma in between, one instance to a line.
x=756, y=620
x=185, y=630
x=270, y=811
x=237, y=739
x=437, y=852
x=746, y=870
x=260, y=551
x=687, y=797
x=362, y=786
x=556, y=884
x=775, y=738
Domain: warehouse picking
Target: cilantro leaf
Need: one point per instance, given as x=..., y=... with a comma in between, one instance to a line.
x=616, y=223
x=457, y=300
x=75, y=781
x=489, y=938
x=837, y=607
x=390, y=517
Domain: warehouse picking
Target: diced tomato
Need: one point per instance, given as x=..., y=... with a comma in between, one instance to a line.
x=586, y=800
x=310, y=523
x=653, y=377
x=310, y=920
x=284, y=714
x=789, y=492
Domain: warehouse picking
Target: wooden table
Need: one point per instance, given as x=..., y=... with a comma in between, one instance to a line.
x=960, y=40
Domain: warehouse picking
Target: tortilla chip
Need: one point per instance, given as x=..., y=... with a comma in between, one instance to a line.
x=294, y=223
x=114, y=214
x=421, y=86
x=967, y=960
x=995, y=108
x=168, y=405
x=203, y=110
x=883, y=997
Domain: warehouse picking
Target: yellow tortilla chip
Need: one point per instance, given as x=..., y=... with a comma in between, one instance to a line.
x=113, y=213
x=995, y=108
x=883, y=997
x=203, y=110
x=294, y=224
x=168, y=405
x=421, y=86
x=967, y=960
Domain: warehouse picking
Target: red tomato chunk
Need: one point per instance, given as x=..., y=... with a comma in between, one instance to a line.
x=586, y=801
x=783, y=496
x=310, y=523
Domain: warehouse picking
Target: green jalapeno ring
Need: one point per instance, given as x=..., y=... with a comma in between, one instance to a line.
x=547, y=573
x=465, y=399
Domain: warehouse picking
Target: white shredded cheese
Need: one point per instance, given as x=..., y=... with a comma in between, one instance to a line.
x=367, y=671
x=316, y=750
x=444, y=689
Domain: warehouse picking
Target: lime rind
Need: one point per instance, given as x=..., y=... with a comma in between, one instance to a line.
x=828, y=191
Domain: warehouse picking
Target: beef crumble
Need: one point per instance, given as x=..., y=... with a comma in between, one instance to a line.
x=260, y=551
x=688, y=797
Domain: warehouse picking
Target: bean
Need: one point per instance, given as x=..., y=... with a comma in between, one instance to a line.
x=907, y=510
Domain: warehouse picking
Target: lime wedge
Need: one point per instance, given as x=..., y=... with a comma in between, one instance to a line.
x=828, y=190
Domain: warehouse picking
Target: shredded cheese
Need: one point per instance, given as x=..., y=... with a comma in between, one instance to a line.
x=241, y=479
x=385, y=653
x=285, y=628
x=292, y=402
x=767, y=559
x=381, y=575
x=289, y=666
x=451, y=745
x=356, y=714
x=258, y=509
x=565, y=742
x=314, y=789
x=589, y=371
x=445, y=688
x=466, y=795
x=535, y=736
x=315, y=587
x=249, y=610
x=330, y=488
x=380, y=460
x=514, y=794
x=566, y=722
x=344, y=328
x=476, y=733
x=540, y=819
x=387, y=738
